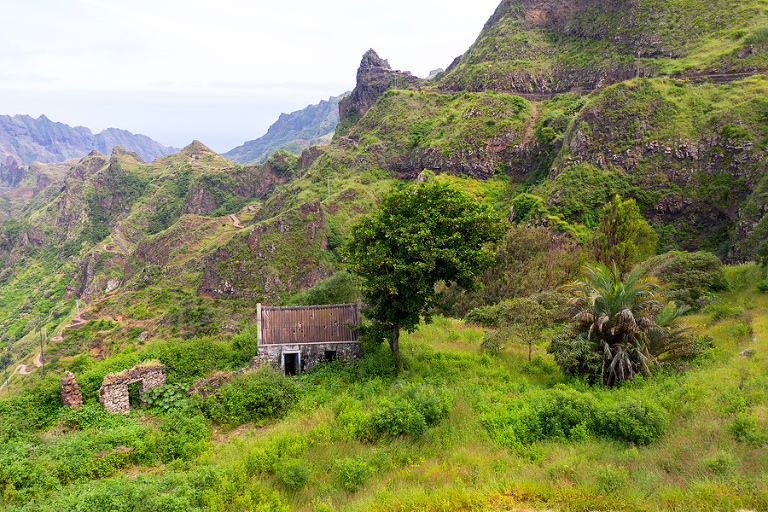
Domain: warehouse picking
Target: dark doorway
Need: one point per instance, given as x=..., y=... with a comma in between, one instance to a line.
x=330, y=355
x=134, y=393
x=291, y=363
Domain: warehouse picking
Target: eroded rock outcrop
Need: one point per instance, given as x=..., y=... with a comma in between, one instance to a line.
x=374, y=77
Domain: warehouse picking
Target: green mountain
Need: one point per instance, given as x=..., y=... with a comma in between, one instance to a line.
x=545, y=47
x=547, y=117
x=292, y=132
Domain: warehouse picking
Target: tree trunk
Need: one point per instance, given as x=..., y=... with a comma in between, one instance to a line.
x=530, y=349
x=394, y=345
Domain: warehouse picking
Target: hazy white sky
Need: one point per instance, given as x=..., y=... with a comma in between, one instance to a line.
x=220, y=71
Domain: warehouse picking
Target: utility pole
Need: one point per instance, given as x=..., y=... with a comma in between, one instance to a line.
x=42, y=345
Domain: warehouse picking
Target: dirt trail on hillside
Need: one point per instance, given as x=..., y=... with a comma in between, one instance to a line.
x=23, y=369
x=236, y=221
x=528, y=128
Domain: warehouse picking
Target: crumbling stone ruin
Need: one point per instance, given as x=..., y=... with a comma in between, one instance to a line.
x=205, y=386
x=113, y=393
x=70, y=391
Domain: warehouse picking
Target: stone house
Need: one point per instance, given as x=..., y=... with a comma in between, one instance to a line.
x=297, y=338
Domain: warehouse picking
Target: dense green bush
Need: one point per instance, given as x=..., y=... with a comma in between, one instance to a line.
x=354, y=472
x=166, y=397
x=575, y=354
x=293, y=473
x=340, y=288
x=743, y=277
x=182, y=435
x=563, y=413
x=33, y=409
x=689, y=276
x=411, y=410
x=251, y=396
x=634, y=421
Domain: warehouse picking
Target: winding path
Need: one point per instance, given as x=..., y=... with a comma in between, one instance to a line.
x=23, y=369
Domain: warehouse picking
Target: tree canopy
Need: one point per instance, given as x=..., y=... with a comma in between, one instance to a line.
x=624, y=238
x=417, y=237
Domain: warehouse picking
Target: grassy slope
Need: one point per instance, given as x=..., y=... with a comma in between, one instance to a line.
x=711, y=456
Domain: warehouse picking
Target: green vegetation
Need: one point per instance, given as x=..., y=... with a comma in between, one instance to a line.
x=694, y=36
x=623, y=237
x=458, y=427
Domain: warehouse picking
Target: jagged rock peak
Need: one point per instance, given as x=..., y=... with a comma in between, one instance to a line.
x=374, y=77
x=370, y=61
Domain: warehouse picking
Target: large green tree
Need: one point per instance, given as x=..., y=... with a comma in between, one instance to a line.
x=419, y=236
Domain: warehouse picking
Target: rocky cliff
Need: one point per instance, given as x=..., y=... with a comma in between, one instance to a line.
x=374, y=76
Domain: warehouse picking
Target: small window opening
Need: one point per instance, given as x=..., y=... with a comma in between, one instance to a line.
x=330, y=355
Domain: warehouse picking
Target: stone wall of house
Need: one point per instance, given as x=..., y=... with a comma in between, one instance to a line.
x=113, y=393
x=70, y=391
x=310, y=354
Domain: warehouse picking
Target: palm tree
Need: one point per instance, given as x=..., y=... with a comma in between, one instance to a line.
x=626, y=320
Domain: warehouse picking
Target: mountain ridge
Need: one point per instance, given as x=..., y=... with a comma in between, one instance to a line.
x=28, y=139
x=312, y=125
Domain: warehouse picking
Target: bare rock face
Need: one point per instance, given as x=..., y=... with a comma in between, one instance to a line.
x=70, y=391
x=374, y=77
x=11, y=172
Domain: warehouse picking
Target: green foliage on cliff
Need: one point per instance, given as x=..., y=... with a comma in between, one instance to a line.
x=526, y=47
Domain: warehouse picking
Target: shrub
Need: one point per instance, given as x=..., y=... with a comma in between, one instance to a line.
x=635, y=421
x=611, y=478
x=575, y=354
x=563, y=413
x=252, y=396
x=182, y=435
x=166, y=397
x=340, y=288
x=722, y=310
x=744, y=428
x=354, y=472
x=293, y=473
x=743, y=277
x=758, y=36
x=690, y=276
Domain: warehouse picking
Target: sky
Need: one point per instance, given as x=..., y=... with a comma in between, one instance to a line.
x=216, y=71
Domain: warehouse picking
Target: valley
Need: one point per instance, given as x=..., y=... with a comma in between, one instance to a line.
x=560, y=115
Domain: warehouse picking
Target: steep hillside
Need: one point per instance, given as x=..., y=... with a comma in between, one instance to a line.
x=28, y=140
x=546, y=46
x=292, y=132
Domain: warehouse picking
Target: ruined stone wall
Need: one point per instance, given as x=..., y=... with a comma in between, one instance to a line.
x=70, y=391
x=310, y=354
x=113, y=393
